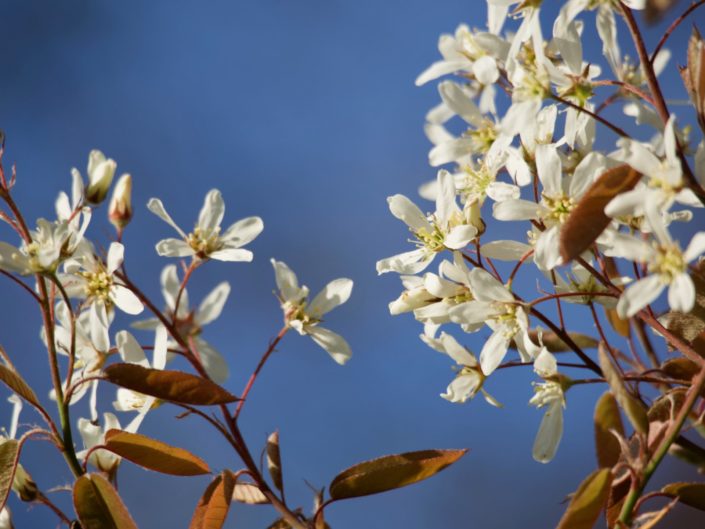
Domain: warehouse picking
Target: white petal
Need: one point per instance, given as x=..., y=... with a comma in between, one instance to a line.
x=547, y=254
x=450, y=151
x=170, y=290
x=174, y=248
x=472, y=312
x=460, y=236
x=212, y=305
x=130, y=350
x=243, y=231
x=548, y=165
x=457, y=352
x=408, y=212
x=462, y=388
x=459, y=101
x=485, y=287
x=695, y=248
x=485, y=70
x=501, y=191
x=545, y=364
x=638, y=295
x=233, y=255
x=99, y=324
x=155, y=206
x=411, y=262
x=116, y=255
x=494, y=351
x=212, y=212
x=549, y=434
x=505, y=250
x=334, y=344
x=287, y=282
x=440, y=68
x=446, y=206
x=213, y=362
x=160, y=348
x=681, y=293
x=333, y=294
x=515, y=210
x=126, y=300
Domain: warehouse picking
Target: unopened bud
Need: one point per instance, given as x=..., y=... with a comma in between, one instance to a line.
x=24, y=485
x=120, y=211
x=100, y=176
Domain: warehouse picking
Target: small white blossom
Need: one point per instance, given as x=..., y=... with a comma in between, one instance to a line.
x=206, y=241
x=305, y=317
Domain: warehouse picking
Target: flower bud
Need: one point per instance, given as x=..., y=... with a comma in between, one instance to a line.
x=120, y=211
x=24, y=485
x=100, y=176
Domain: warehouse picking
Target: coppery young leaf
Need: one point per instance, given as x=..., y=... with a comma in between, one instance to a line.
x=172, y=386
x=16, y=383
x=654, y=10
x=154, y=455
x=274, y=463
x=588, y=220
x=588, y=501
x=634, y=410
x=680, y=369
x=692, y=494
x=98, y=504
x=607, y=420
x=391, y=472
x=249, y=493
x=695, y=77
x=9, y=457
x=620, y=326
x=212, y=509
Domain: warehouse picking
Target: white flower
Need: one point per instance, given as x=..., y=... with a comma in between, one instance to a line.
x=495, y=305
x=120, y=210
x=206, y=241
x=305, y=317
x=52, y=243
x=6, y=518
x=549, y=395
x=93, y=435
x=414, y=296
x=469, y=379
x=131, y=353
x=666, y=263
x=448, y=228
x=87, y=277
x=189, y=322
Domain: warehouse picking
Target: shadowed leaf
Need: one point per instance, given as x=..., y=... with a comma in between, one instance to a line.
x=588, y=220
x=588, y=501
x=692, y=494
x=9, y=457
x=391, y=472
x=98, y=504
x=154, y=455
x=172, y=386
x=212, y=509
x=654, y=10
x=634, y=410
x=607, y=419
x=16, y=383
x=694, y=75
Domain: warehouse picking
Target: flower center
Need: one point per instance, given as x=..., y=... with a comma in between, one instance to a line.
x=669, y=263
x=482, y=137
x=204, y=242
x=432, y=240
x=98, y=285
x=558, y=208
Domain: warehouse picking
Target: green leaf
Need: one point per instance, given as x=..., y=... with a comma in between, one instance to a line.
x=391, y=472
x=16, y=383
x=98, y=504
x=588, y=501
x=634, y=410
x=607, y=419
x=692, y=494
x=154, y=455
x=274, y=462
x=587, y=220
x=9, y=458
x=172, y=386
x=212, y=510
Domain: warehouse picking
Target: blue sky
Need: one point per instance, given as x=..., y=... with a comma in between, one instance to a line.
x=305, y=114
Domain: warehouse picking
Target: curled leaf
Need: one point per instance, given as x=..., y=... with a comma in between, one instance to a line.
x=98, y=504
x=249, y=493
x=16, y=383
x=587, y=220
x=391, y=472
x=212, y=509
x=632, y=407
x=172, y=386
x=274, y=463
x=607, y=421
x=588, y=501
x=154, y=455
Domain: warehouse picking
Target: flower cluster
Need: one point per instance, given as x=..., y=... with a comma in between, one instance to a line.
x=536, y=165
